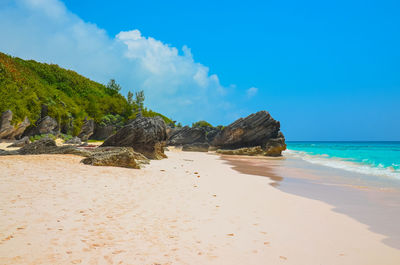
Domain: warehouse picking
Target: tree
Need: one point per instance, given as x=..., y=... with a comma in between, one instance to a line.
x=139, y=100
x=113, y=86
x=130, y=98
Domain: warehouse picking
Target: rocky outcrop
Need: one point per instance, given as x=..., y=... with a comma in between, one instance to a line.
x=116, y=156
x=86, y=130
x=258, y=129
x=48, y=146
x=103, y=132
x=187, y=135
x=196, y=147
x=7, y=130
x=144, y=134
x=21, y=143
x=45, y=125
x=74, y=140
x=248, y=151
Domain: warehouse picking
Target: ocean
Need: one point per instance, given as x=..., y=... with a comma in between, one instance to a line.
x=372, y=158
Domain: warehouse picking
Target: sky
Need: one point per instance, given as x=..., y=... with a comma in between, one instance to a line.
x=327, y=70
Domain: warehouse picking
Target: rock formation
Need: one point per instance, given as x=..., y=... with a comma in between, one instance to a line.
x=7, y=130
x=45, y=125
x=103, y=132
x=86, y=130
x=196, y=147
x=187, y=135
x=145, y=135
x=21, y=143
x=48, y=146
x=258, y=129
x=116, y=156
x=74, y=140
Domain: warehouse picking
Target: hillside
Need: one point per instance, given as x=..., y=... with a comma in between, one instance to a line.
x=26, y=84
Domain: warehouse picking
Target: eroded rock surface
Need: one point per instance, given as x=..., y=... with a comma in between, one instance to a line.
x=187, y=135
x=116, y=157
x=144, y=134
x=196, y=147
x=86, y=130
x=258, y=129
x=7, y=130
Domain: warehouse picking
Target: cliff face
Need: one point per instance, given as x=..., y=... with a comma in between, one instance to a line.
x=258, y=129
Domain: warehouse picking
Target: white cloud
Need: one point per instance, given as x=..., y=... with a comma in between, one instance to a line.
x=174, y=84
x=251, y=92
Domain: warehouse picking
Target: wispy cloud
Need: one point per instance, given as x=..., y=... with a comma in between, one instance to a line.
x=251, y=92
x=174, y=84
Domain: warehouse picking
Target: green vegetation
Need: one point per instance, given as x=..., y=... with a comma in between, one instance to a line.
x=40, y=136
x=70, y=97
x=201, y=124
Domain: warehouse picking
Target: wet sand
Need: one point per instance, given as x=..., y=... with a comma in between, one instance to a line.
x=191, y=208
x=370, y=200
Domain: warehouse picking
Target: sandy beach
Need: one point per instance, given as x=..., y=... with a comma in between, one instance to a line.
x=192, y=208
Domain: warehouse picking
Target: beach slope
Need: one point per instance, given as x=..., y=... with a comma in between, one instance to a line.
x=191, y=208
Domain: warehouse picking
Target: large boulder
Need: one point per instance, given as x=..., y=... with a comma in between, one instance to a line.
x=45, y=125
x=196, y=147
x=144, y=134
x=258, y=129
x=74, y=140
x=103, y=132
x=48, y=146
x=187, y=135
x=21, y=142
x=116, y=156
x=86, y=130
x=7, y=130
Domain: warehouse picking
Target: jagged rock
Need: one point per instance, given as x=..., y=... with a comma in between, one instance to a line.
x=249, y=151
x=45, y=125
x=103, y=132
x=74, y=140
x=20, y=128
x=86, y=130
x=146, y=135
x=48, y=146
x=116, y=156
x=196, y=147
x=21, y=143
x=211, y=133
x=258, y=129
x=187, y=135
x=8, y=131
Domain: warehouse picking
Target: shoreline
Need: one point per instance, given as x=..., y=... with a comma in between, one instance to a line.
x=374, y=203
x=191, y=208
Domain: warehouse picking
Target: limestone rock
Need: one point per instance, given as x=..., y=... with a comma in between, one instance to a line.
x=45, y=125
x=21, y=143
x=48, y=146
x=86, y=130
x=258, y=129
x=144, y=134
x=187, y=135
x=74, y=140
x=249, y=151
x=196, y=147
x=7, y=130
x=117, y=157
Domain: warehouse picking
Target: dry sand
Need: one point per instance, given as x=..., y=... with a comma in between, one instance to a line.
x=191, y=208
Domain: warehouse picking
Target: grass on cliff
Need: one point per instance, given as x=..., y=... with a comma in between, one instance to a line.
x=26, y=84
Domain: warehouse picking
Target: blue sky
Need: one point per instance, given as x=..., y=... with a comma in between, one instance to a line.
x=326, y=70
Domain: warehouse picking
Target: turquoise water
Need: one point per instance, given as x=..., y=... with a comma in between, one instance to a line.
x=374, y=158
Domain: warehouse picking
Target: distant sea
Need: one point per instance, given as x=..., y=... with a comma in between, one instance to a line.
x=372, y=158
